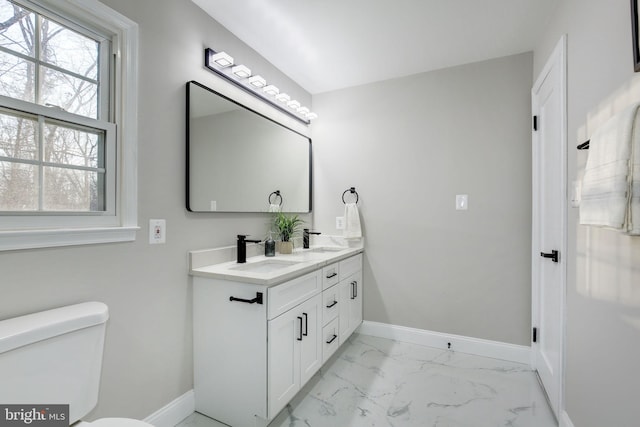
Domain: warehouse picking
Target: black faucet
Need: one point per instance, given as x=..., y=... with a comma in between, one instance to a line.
x=305, y=237
x=242, y=247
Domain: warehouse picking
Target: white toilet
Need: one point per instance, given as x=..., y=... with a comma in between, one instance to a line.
x=55, y=357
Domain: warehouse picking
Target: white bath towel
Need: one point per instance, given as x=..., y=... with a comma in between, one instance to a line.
x=274, y=208
x=607, y=183
x=352, y=229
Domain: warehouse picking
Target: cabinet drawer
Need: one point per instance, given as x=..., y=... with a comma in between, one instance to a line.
x=330, y=304
x=330, y=275
x=289, y=294
x=350, y=266
x=330, y=340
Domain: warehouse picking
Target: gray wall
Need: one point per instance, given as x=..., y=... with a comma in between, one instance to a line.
x=148, y=357
x=410, y=145
x=603, y=286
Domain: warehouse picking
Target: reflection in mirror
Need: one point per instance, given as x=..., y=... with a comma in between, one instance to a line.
x=236, y=158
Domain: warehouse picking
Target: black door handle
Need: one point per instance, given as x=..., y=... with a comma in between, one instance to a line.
x=553, y=255
x=300, y=336
x=353, y=292
x=332, y=304
x=306, y=324
x=332, y=275
x=332, y=339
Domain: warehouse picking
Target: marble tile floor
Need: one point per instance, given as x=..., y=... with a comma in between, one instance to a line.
x=376, y=382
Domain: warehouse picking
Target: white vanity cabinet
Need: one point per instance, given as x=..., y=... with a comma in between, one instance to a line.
x=255, y=351
x=295, y=351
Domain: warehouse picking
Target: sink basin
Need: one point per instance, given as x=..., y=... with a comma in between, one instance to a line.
x=323, y=249
x=267, y=266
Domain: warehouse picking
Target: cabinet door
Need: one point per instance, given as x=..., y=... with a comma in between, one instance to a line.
x=344, y=303
x=311, y=344
x=350, y=305
x=355, y=303
x=285, y=335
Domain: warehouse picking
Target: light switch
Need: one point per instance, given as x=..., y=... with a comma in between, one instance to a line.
x=462, y=201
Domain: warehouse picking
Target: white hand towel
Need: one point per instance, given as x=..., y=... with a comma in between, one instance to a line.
x=606, y=185
x=274, y=208
x=352, y=229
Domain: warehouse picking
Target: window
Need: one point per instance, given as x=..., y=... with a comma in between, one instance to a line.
x=67, y=87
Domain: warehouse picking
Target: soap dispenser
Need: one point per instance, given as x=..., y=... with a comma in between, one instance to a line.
x=270, y=246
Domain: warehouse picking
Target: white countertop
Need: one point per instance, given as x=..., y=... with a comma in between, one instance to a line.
x=287, y=267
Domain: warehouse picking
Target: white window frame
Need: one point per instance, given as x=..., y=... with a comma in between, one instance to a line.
x=42, y=230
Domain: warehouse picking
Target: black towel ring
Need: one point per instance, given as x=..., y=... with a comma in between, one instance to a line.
x=351, y=190
x=277, y=194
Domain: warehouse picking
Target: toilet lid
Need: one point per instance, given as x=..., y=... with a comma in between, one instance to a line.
x=118, y=422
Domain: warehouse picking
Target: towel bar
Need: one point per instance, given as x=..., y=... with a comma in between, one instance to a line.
x=351, y=190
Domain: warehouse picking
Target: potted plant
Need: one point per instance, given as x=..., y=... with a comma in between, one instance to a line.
x=286, y=227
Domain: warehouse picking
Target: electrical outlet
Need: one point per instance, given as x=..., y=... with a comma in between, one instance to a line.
x=157, y=231
x=339, y=223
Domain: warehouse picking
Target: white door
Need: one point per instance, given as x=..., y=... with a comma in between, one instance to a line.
x=285, y=333
x=311, y=344
x=549, y=224
x=345, y=292
x=355, y=306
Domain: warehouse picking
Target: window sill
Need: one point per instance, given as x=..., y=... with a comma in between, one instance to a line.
x=31, y=239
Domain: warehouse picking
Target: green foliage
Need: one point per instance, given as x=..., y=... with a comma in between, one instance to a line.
x=287, y=226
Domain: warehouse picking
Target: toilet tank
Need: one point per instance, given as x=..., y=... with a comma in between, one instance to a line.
x=54, y=357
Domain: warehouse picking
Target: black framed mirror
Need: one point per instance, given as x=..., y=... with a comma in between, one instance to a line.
x=237, y=158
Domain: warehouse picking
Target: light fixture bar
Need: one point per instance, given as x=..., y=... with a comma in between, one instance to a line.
x=241, y=76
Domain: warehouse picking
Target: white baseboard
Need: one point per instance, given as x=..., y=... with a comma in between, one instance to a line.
x=174, y=412
x=565, y=421
x=477, y=346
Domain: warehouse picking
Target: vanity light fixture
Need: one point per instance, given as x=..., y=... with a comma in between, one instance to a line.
x=257, y=81
x=241, y=71
x=223, y=59
x=241, y=76
x=271, y=90
x=283, y=97
x=293, y=104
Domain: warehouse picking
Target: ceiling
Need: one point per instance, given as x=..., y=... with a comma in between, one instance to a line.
x=325, y=45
